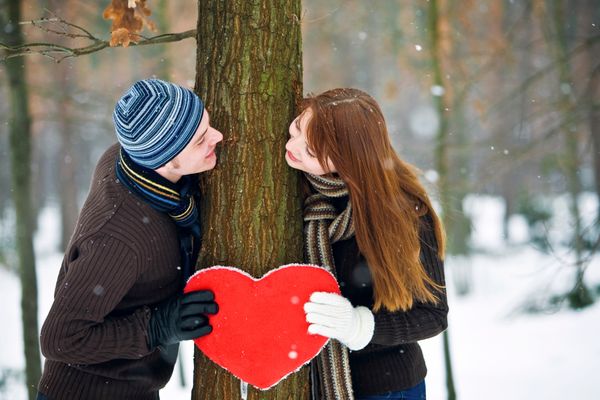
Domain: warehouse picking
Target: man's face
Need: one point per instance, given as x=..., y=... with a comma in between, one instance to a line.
x=199, y=155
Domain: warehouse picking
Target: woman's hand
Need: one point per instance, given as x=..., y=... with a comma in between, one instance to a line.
x=333, y=316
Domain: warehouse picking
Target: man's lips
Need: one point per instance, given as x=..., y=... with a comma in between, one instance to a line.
x=291, y=156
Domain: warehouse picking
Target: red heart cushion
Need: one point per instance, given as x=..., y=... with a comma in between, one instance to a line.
x=260, y=332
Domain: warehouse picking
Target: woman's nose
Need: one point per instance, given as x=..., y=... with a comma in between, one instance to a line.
x=289, y=146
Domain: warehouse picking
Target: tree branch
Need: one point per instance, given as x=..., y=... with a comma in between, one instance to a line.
x=59, y=52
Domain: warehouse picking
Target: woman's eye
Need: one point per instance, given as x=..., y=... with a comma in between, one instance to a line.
x=310, y=153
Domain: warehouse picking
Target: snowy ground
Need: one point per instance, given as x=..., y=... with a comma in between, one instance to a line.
x=497, y=351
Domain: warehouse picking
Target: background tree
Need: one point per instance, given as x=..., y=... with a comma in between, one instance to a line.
x=559, y=38
x=20, y=146
x=591, y=13
x=65, y=77
x=451, y=206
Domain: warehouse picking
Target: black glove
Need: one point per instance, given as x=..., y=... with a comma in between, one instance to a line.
x=181, y=318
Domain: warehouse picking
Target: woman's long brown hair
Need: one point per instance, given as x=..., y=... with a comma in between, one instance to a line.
x=347, y=126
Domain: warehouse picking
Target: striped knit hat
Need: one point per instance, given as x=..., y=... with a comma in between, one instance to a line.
x=155, y=120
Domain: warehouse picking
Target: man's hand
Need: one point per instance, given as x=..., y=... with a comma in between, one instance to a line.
x=181, y=318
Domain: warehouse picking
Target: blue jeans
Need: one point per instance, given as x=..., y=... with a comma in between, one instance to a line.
x=414, y=393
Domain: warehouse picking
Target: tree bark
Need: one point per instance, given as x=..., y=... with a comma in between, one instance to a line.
x=249, y=72
x=20, y=151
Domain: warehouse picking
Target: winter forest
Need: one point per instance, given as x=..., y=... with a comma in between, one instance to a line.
x=496, y=102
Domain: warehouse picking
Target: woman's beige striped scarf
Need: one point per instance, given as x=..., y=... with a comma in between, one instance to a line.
x=330, y=371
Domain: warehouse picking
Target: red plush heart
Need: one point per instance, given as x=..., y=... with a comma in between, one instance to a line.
x=260, y=332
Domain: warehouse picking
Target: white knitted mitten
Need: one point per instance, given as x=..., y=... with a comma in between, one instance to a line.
x=333, y=316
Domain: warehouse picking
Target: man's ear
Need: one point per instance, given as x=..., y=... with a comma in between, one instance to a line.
x=169, y=167
x=162, y=170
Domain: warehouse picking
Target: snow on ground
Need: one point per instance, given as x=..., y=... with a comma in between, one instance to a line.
x=498, y=352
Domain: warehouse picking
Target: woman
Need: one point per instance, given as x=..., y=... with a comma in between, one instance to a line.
x=370, y=221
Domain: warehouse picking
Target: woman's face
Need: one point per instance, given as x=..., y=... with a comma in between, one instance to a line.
x=298, y=153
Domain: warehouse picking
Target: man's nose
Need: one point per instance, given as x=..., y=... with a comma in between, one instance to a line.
x=216, y=136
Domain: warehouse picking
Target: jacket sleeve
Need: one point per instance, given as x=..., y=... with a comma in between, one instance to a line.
x=423, y=320
x=80, y=328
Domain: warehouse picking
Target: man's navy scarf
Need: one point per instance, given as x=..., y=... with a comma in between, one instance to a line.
x=179, y=200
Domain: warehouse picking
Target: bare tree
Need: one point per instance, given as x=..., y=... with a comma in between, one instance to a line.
x=442, y=157
x=580, y=295
x=589, y=10
x=20, y=151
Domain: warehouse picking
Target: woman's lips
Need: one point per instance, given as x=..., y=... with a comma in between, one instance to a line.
x=291, y=157
x=211, y=153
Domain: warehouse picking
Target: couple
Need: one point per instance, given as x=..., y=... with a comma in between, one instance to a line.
x=119, y=313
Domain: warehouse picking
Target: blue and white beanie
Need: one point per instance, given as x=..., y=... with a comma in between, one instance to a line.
x=155, y=120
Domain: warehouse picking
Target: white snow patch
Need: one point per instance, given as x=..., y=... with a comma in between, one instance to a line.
x=495, y=350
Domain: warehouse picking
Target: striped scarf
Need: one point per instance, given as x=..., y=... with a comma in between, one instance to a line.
x=175, y=199
x=330, y=371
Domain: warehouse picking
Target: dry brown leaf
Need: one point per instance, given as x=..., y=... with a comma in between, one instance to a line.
x=120, y=37
x=127, y=22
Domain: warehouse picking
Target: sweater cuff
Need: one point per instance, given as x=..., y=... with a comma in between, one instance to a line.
x=365, y=330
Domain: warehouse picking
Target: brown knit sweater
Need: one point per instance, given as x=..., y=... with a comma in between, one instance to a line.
x=122, y=259
x=393, y=361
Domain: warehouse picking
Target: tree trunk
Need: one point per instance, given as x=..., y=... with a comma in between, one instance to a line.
x=4, y=178
x=507, y=133
x=249, y=72
x=67, y=161
x=590, y=13
x=458, y=223
x=448, y=365
x=20, y=151
x=69, y=208
x=580, y=296
x=441, y=156
x=594, y=123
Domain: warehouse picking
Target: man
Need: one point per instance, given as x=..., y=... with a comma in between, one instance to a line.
x=119, y=313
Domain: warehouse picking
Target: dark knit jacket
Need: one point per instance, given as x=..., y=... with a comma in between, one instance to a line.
x=393, y=360
x=122, y=259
